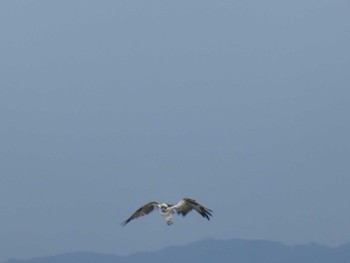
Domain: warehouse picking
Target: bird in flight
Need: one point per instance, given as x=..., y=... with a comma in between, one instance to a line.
x=167, y=210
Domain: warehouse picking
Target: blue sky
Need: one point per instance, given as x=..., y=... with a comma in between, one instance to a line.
x=106, y=105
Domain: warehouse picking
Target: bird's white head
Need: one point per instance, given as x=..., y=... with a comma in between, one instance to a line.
x=164, y=207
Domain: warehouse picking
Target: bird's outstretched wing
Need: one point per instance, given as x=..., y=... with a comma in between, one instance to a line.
x=187, y=204
x=143, y=210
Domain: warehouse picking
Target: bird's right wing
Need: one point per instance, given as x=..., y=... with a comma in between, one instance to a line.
x=187, y=204
x=143, y=210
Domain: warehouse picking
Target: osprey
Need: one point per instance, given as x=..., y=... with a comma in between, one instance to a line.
x=167, y=210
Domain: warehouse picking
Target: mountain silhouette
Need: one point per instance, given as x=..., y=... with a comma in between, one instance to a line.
x=208, y=251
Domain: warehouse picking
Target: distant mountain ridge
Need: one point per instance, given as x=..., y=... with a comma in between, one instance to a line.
x=205, y=251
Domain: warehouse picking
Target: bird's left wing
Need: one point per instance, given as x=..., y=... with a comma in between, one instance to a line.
x=187, y=204
x=143, y=210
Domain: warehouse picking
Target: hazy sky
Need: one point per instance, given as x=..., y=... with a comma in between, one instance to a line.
x=106, y=105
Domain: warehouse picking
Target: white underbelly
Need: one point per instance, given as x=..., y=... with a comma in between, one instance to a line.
x=167, y=216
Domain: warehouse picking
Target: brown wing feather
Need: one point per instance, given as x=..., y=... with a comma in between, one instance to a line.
x=143, y=210
x=188, y=204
